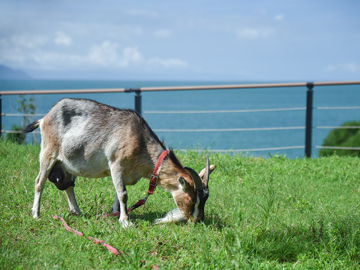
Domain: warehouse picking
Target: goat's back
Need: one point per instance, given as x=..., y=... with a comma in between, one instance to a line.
x=95, y=121
x=87, y=135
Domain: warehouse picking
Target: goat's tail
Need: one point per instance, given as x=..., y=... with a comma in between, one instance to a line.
x=32, y=126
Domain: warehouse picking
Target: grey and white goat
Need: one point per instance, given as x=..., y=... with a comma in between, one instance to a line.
x=85, y=138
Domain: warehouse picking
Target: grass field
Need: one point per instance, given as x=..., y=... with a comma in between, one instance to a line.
x=272, y=213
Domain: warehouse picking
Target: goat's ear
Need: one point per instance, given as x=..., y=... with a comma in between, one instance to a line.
x=184, y=185
x=202, y=173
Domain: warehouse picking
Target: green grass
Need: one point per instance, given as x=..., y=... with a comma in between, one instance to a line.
x=273, y=213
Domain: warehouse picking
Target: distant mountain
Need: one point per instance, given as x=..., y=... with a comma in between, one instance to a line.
x=7, y=73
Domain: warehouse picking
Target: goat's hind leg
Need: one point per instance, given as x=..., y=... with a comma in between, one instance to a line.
x=64, y=180
x=45, y=168
x=70, y=194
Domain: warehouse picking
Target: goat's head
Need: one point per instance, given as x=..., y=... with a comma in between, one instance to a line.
x=191, y=201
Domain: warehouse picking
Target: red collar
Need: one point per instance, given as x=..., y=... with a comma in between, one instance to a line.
x=153, y=180
x=155, y=174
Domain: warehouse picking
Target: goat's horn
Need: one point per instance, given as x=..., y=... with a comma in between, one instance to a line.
x=207, y=173
x=197, y=180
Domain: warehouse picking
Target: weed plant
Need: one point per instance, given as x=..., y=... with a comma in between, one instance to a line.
x=272, y=213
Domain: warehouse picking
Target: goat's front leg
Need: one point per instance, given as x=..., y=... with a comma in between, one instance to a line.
x=70, y=194
x=119, y=183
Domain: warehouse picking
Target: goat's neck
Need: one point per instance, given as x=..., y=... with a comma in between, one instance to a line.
x=169, y=173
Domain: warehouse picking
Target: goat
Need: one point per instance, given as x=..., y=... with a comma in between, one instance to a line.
x=82, y=137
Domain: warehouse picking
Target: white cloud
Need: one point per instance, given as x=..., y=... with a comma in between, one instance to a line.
x=168, y=62
x=352, y=67
x=29, y=41
x=129, y=30
x=110, y=54
x=141, y=13
x=35, y=51
x=254, y=33
x=163, y=33
x=105, y=54
x=348, y=67
x=19, y=49
x=62, y=39
x=130, y=55
x=279, y=17
x=330, y=68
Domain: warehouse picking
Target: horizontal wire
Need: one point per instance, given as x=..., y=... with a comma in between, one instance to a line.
x=229, y=111
x=213, y=111
x=16, y=131
x=337, y=127
x=338, y=147
x=23, y=114
x=208, y=130
x=246, y=150
x=230, y=129
x=337, y=108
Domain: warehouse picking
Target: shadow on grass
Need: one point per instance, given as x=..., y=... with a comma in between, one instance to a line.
x=216, y=221
x=213, y=220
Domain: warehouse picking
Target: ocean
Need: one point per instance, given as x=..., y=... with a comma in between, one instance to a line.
x=220, y=129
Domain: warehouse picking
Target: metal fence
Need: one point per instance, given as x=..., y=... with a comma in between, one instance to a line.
x=138, y=107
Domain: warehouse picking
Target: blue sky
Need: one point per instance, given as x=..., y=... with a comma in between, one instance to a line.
x=228, y=40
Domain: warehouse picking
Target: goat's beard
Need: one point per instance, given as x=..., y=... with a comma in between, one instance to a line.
x=173, y=216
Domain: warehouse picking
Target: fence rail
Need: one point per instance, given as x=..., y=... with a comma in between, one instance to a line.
x=138, y=107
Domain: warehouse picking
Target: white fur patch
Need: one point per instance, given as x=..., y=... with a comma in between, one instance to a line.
x=174, y=215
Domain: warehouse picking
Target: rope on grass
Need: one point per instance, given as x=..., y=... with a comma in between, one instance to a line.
x=96, y=241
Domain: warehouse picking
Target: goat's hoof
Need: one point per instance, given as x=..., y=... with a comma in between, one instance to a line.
x=76, y=213
x=126, y=224
x=157, y=221
x=35, y=214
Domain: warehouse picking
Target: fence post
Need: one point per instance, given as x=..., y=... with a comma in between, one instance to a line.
x=138, y=101
x=309, y=110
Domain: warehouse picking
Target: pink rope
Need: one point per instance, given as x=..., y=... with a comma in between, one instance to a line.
x=96, y=241
x=67, y=226
x=99, y=242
